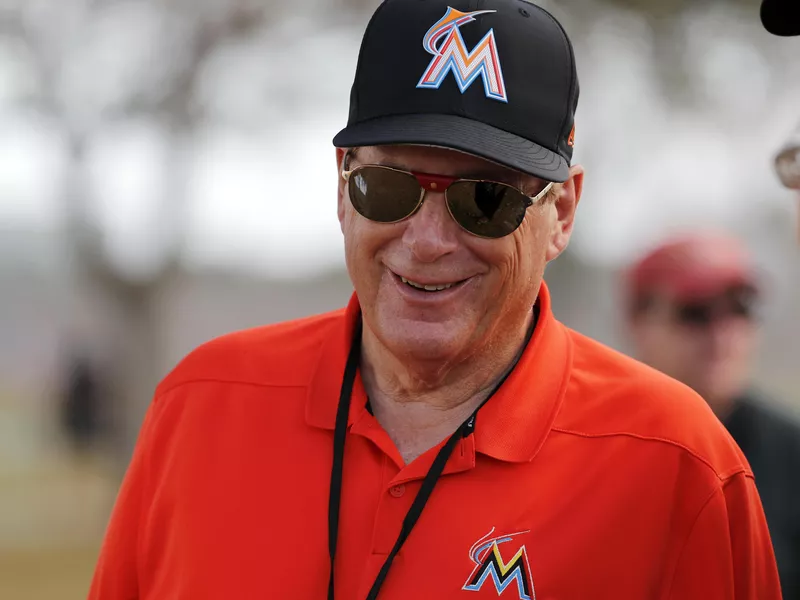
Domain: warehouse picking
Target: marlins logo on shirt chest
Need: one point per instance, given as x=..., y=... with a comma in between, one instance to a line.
x=450, y=55
x=501, y=568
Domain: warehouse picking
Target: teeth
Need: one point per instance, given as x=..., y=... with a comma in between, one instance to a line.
x=429, y=288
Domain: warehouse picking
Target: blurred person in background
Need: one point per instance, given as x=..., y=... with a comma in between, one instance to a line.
x=693, y=305
x=782, y=17
x=444, y=435
x=82, y=410
x=787, y=165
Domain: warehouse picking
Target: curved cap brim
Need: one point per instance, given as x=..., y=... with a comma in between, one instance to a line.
x=781, y=17
x=458, y=133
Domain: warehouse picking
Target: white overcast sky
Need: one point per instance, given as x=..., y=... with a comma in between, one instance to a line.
x=260, y=187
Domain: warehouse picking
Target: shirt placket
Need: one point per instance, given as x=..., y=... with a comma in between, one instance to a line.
x=399, y=487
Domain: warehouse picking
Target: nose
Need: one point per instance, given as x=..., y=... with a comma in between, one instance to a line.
x=431, y=232
x=721, y=334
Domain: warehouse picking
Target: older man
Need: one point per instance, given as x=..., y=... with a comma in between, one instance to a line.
x=444, y=436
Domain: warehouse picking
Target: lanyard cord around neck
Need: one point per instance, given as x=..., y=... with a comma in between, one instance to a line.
x=425, y=490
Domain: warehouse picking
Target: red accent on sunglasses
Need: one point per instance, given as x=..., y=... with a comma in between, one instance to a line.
x=434, y=183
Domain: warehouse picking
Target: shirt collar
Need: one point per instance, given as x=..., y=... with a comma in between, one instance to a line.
x=511, y=426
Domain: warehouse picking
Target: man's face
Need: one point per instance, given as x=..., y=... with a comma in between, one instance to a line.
x=707, y=343
x=495, y=281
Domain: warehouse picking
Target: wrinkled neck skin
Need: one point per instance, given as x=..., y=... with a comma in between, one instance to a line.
x=421, y=402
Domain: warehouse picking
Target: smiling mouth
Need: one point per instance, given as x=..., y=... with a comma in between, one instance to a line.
x=430, y=287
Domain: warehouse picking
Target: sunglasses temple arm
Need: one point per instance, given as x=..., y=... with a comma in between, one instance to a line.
x=544, y=192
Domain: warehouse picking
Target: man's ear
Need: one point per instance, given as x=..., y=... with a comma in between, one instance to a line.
x=340, y=153
x=565, y=206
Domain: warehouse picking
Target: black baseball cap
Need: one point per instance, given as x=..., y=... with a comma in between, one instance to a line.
x=493, y=78
x=781, y=17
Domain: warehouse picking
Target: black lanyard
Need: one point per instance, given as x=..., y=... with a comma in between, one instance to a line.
x=425, y=490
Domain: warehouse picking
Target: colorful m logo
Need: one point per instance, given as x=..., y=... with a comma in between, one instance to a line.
x=489, y=565
x=450, y=53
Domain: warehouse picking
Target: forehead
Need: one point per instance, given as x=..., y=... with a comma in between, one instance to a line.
x=439, y=161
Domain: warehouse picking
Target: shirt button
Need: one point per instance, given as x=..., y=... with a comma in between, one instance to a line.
x=397, y=491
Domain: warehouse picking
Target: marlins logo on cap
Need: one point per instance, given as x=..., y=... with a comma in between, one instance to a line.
x=450, y=53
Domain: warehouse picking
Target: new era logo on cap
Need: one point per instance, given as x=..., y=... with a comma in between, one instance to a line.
x=494, y=78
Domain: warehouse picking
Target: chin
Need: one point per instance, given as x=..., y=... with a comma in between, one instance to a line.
x=421, y=340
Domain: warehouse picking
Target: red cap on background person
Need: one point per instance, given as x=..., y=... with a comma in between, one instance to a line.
x=693, y=266
x=691, y=314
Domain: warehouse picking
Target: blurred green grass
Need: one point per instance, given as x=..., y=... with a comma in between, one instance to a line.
x=54, y=574
x=54, y=506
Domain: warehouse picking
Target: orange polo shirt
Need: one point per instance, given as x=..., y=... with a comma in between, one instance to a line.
x=588, y=476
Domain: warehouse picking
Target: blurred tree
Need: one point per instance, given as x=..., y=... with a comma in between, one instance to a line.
x=666, y=19
x=64, y=41
x=673, y=8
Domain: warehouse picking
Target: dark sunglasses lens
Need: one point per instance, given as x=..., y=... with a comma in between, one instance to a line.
x=383, y=195
x=703, y=314
x=696, y=315
x=486, y=209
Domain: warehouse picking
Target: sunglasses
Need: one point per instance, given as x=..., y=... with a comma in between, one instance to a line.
x=703, y=314
x=487, y=209
x=787, y=162
x=788, y=166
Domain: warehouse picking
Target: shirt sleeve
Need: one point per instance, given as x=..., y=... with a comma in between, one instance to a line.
x=728, y=554
x=116, y=573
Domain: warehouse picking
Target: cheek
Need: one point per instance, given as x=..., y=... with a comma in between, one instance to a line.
x=742, y=340
x=517, y=261
x=356, y=238
x=527, y=254
x=664, y=342
x=356, y=229
x=364, y=240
